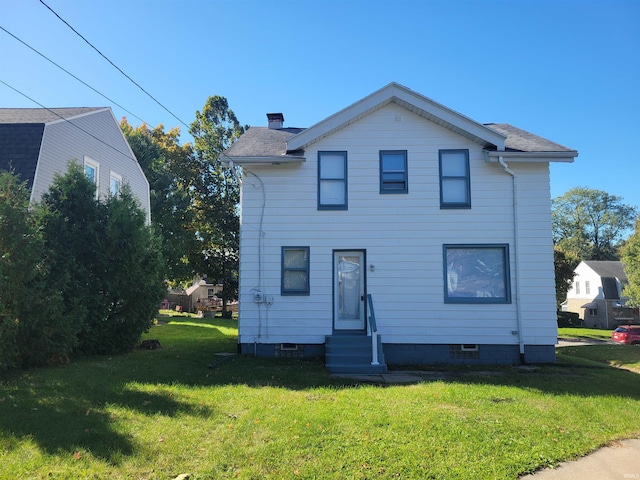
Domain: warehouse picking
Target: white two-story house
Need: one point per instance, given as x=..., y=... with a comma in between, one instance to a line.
x=396, y=231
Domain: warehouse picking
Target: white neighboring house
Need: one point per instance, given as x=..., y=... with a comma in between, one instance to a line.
x=445, y=223
x=37, y=143
x=596, y=295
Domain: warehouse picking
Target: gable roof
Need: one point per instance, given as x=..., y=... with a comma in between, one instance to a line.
x=42, y=115
x=412, y=101
x=21, y=131
x=608, y=268
x=286, y=145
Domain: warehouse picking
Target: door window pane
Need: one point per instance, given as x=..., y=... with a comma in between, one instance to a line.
x=349, y=287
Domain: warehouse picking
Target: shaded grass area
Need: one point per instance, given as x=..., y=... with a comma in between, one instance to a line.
x=622, y=356
x=183, y=409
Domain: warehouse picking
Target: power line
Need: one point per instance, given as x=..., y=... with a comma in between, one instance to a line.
x=69, y=121
x=71, y=74
x=113, y=64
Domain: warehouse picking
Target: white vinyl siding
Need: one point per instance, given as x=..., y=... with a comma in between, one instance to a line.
x=403, y=237
x=96, y=135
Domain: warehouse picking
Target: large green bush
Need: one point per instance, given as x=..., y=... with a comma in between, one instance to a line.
x=32, y=331
x=77, y=274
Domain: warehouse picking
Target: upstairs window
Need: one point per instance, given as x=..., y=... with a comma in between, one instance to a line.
x=455, y=184
x=92, y=172
x=295, y=271
x=476, y=274
x=393, y=171
x=332, y=180
x=587, y=288
x=115, y=184
x=577, y=288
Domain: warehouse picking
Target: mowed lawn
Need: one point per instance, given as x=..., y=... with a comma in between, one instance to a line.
x=183, y=409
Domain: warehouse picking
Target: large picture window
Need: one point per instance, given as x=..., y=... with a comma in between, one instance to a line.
x=295, y=271
x=393, y=171
x=476, y=274
x=332, y=180
x=455, y=184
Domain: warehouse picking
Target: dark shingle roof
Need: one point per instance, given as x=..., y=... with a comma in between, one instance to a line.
x=20, y=148
x=609, y=268
x=522, y=141
x=41, y=115
x=265, y=142
x=610, y=288
x=21, y=131
x=262, y=142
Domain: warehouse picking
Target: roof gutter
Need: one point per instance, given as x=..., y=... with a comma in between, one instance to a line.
x=531, y=157
x=272, y=160
x=516, y=250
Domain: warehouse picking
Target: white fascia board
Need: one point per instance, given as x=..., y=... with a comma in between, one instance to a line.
x=408, y=99
x=274, y=160
x=80, y=115
x=532, y=157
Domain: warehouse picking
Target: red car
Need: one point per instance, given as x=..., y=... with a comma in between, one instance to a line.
x=627, y=335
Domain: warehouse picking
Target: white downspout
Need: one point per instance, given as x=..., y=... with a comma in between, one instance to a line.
x=516, y=253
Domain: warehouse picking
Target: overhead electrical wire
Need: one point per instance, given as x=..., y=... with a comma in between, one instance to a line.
x=71, y=74
x=69, y=121
x=113, y=64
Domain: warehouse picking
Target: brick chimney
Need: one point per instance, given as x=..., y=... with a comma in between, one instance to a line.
x=276, y=120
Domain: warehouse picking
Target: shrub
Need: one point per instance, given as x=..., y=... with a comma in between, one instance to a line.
x=569, y=319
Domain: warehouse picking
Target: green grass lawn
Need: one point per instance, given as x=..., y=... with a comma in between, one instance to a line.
x=622, y=356
x=584, y=333
x=184, y=409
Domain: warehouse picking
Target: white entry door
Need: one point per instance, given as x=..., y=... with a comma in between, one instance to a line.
x=348, y=290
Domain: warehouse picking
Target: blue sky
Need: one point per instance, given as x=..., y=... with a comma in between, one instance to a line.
x=568, y=70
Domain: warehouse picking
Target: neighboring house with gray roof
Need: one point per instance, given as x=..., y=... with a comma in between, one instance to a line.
x=596, y=295
x=37, y=143
x=399, y=204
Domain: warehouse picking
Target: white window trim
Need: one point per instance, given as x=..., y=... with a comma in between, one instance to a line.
x=115, y=176
x=96, y=165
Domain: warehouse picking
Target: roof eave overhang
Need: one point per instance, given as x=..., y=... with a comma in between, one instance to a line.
x=408, y=99
x=270, y=160
x=533, y=157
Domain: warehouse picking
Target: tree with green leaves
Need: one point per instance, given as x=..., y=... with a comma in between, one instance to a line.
x=563, y=267
x=163, y=161
x=590, y=224
x=630, y=254
x=105, y=262
x=215, y=194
